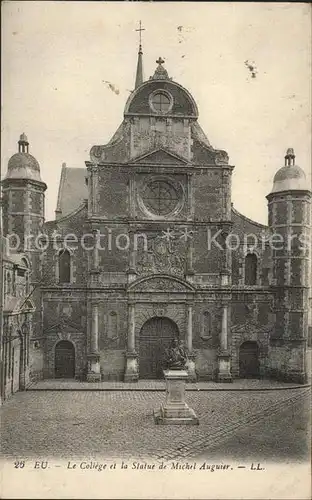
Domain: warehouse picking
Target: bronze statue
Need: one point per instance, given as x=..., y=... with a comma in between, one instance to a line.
x=175, y=355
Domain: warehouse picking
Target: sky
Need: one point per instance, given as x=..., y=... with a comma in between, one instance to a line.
x=58, y=59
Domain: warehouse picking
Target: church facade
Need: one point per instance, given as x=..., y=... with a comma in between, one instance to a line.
x=147, y=246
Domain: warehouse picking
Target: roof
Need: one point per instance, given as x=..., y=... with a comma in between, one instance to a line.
x=23, y=166
x=72, y=189
x=289, y=178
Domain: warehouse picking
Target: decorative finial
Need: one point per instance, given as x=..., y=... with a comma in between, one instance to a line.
x=160, y=61
x=140, y=29
x=23, y=143
x=160, y=72
x=290, y=157
x=23, y=137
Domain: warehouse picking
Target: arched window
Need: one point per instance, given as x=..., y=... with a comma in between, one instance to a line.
x=64, y=266
x=251, y=269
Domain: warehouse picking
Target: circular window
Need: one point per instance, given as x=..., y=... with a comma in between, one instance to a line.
x=161, y=102
x=160, y=197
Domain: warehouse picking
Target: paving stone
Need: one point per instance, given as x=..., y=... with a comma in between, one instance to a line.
x=107, y=424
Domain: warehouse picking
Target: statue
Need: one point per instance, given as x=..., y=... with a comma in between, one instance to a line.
x=175, y=355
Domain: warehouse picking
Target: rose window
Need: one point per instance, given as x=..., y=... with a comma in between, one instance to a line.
x=160, y=197
x=161, y=102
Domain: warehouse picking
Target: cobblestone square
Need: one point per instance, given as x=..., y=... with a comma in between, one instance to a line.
x=257, y=425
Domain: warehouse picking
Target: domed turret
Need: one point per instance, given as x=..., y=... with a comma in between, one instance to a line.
x=289, y=207
x=290, y=177
x=23, y=165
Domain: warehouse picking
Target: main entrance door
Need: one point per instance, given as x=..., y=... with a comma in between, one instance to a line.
x=155, y=337
x=64, y=359
x=249, y=360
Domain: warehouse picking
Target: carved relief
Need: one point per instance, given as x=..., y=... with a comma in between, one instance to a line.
x=161, y=284
x=97, y=154
x=221, y=158
x=144, y=141
x=160, y=309
x=163, y=256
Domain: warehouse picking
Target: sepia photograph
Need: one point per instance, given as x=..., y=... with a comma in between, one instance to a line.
x=155, y=250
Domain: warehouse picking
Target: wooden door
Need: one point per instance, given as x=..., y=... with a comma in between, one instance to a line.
x=249, y=360
x=64, y=360
x=155, y=336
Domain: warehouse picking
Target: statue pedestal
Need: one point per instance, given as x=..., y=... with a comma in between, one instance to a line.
x=94, y=369
x=175, y=410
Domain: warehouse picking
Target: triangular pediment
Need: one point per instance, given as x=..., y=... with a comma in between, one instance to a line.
x=159, y=156
x=64, y=327
x=28, y=305
x=161, y=283
x=18, y=304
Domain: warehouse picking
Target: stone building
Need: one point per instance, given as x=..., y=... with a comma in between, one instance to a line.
x=146, y=245
x=18, y=311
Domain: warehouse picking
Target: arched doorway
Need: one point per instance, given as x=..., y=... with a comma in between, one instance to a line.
x=64, y=360
x=249, y=360
x=155, y=337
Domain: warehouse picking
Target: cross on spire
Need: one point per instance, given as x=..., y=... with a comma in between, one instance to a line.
x=140, y=29
x=139, y=72
x=160, y=61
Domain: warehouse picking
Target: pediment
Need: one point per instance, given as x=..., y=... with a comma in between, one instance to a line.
x=18, y=304
x=161, y=284
x=161, y=156
x=28, y=306
x=252, y=328
x=64, y=327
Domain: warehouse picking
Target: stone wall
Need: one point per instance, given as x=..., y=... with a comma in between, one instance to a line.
x=288, y=363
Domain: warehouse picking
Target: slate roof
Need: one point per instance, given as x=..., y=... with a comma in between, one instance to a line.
x=72, y=189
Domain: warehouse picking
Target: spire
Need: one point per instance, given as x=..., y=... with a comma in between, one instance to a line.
x=139, y=72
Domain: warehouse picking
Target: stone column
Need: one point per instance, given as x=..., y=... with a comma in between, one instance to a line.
x=224, y=331
x=131, y=372
x=189, y=265
x=94, y=373
x=95, y=270
x=224, y=357
x=96, y=235
x=191, y=354
x=226, y=270
x=131, y=271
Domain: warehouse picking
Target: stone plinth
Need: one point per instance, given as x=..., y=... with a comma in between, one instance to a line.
x=175, y=410
x=190, y=365
x=224, y=367
x=94, y=370
x=132, y=371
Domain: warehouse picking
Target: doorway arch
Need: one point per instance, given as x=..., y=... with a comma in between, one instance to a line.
x=64, y=366
x=155, y=337
x=249, y=360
